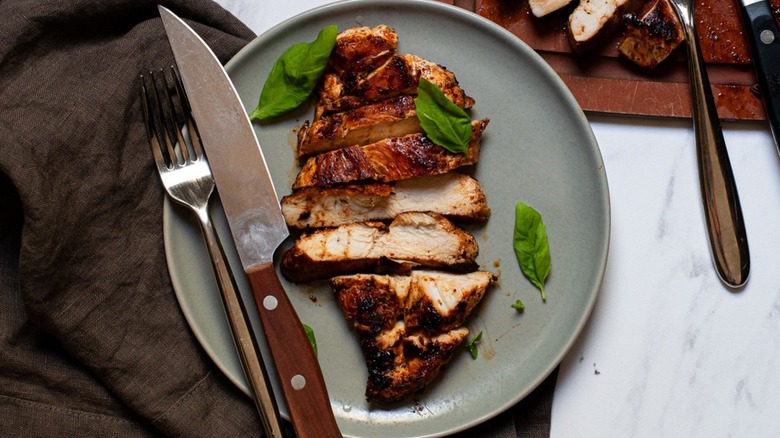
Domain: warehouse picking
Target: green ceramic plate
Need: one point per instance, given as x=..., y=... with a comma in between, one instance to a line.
x=538, y=148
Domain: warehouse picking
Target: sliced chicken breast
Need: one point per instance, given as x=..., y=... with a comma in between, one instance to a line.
x=373, y=302
x=591, y=20
x=440, y=301
x=411, y=364
x=360, y=126
x=360, y=50
x=412, y=239
x=402, y=358
x=541, y=8
x=651, y=38
x=398, y=75
x=387, y=160
x=454, y=195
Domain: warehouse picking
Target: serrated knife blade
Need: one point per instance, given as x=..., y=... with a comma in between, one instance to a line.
x=254, y=216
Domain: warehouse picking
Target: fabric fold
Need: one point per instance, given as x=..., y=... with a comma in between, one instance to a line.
x=92, y=270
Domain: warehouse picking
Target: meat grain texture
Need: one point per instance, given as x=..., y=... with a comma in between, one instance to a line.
x=408, y=327
x=593, y=20
x=454, y=195
x=375, y=199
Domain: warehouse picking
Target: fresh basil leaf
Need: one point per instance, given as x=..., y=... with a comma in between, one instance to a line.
x=310, y=334
x=531, y=247
x=445, y=123
x=294, y=75
x=472, y=345
x=518, y=305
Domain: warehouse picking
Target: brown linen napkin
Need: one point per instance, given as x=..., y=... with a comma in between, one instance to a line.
x=96, y=343
x=92, y=340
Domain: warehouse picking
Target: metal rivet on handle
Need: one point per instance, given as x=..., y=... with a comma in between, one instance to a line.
x=298, y=381
x=767, y=36
x=270, y=302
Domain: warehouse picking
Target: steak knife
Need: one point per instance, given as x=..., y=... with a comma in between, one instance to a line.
x=764, y=37
x=255, y=219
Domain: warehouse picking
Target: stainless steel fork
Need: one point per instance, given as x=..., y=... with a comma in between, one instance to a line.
x=722, y=210
x=187, y=178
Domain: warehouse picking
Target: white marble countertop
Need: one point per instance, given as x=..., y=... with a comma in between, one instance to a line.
x=669, y=351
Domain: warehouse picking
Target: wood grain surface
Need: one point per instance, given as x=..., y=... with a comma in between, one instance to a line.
x=603, y=81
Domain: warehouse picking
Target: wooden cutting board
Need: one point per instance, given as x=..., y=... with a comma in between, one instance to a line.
x=603, y=81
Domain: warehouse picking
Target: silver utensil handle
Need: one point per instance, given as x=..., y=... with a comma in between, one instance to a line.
x=246, y=344
x=726, y=228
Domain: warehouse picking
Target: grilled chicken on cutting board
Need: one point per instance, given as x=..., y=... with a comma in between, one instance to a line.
x=412, y=239
x=592, y=20
x=652, y=37
x=650, y=28
x=454, y=195
x=403, y=355
x=541, y=8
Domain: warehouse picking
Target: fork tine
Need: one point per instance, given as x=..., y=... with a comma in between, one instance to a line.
x=170, y=123
x=151, y=124
x=176, y=116
x=192, y=127
x=163, y=121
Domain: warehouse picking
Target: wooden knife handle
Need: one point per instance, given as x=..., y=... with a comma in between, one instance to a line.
x=296, y=365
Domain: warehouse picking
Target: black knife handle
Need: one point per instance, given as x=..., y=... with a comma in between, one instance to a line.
x=764, y=37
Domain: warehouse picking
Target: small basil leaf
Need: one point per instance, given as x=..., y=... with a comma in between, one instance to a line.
x=518, y=305
x=294, y=75
x=472, y=345
x=531, y=247
x=310, y=334
x=445, y=123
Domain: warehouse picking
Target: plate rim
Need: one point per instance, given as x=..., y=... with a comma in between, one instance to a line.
x=342, y=7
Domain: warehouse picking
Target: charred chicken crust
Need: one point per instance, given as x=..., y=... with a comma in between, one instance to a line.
x=402, y=357
x=651, y=38
x=388, y=160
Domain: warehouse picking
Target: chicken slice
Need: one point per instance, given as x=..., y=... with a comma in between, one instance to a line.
x=412, y=239
x=541, y=8
x=653, y=37
x=398, y=75
x=441, y=301
x=434, y=301
x=401, y=358
x=593, y=19
x=454, y=195
x=416, y=361
x=394, y=117
x=360, y=50
x=388, y=160
x=373, y=302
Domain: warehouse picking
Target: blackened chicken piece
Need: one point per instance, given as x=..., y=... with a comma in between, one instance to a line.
x=360, y=126
x=399, y=75
x=361, y=50
x=388, y=160
x=651, y=38
x=402, y=357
